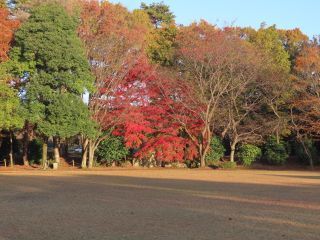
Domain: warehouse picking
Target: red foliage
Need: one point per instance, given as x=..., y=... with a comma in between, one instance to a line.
x=7, y=27
x=133, y=99
x=149, y=123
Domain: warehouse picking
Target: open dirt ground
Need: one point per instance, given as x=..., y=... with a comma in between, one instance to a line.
x=160, y=204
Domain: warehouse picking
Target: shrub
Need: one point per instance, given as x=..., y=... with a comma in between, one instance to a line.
x=112, y=150
x=275, y=153
x=192, y=163
x=216, y=152
x=248, y=154
x=228, y=165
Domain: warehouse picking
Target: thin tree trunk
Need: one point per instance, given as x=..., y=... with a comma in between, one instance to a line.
x=277, y=136
x=11, y=149
x=202, y=157
x=233, y=150
x=56, y=150
x=84, y=153
x=25, y=147
x=203, y=153
x=45, y=154
x=204, y=148
x=308, y=154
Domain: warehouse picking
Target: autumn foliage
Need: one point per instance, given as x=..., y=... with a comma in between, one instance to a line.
x=160, y=91
x=7, y=26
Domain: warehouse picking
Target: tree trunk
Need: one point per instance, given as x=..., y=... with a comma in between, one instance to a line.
x=44, y=154
x=91, y=153
x=308, y=154
x=84, y=153
x=204, y=147
x=233, y=150
x=202, y=157
x=25, y=147
x=277, y=136
x=202, y=161
x=11, y=150
x=56, y=150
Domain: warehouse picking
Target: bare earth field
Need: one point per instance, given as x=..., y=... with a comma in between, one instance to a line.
x=160, y=204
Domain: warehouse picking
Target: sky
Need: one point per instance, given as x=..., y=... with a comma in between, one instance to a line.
x=286, y=14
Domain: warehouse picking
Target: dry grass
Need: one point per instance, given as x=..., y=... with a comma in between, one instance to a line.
x=160, y=204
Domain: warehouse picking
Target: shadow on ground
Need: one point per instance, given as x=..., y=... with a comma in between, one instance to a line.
x=116, y=207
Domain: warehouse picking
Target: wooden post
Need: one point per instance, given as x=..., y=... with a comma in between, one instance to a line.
x=5, y=162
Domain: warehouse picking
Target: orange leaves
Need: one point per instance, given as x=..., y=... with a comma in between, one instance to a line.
x=308, y=62
x=7, y=26
x=109, y=19
x=306, y=105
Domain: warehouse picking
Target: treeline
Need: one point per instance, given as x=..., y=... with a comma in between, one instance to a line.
x=135, y=85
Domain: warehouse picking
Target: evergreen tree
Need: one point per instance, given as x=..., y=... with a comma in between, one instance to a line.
x=50, y=59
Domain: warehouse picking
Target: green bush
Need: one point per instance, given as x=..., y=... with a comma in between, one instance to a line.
x=248, y=154
x=112, y=150
x=216, y=152
x=228, y=165
x=275, y=153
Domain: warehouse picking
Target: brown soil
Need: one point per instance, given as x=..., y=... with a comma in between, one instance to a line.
x=160, y=204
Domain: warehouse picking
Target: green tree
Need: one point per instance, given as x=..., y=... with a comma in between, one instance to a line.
x=112, y=150
x=275, y=153
x=159, y=13
x=50, y=58
x=269, y=40
x=11, y=114
x=216, y=152
x=161, y=45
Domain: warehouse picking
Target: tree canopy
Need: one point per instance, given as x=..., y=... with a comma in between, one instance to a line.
x=93, y=73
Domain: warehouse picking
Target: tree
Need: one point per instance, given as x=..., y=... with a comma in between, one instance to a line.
x=159, y=14
x=212, y=65
x=161, y=42
x=305, y=109
x=52, y=65
x=278, y=90
x=269, y=40
x=148, y=125
x=293, y=41
x=161, y=45
x=11, y=114
x=241, y=107
x=114, y=39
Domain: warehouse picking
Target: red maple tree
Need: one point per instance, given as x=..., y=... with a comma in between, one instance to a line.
x=149, y=124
